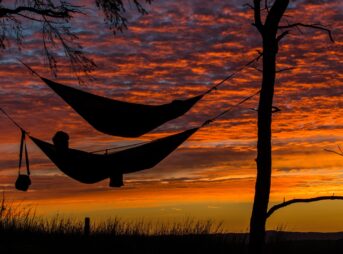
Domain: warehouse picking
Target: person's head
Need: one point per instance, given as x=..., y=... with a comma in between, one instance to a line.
x=61, y=140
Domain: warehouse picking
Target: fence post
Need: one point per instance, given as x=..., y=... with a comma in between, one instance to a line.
x=87, y=227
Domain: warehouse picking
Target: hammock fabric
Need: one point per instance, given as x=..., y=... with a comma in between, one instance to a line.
x=91, y=168
x=120, y=118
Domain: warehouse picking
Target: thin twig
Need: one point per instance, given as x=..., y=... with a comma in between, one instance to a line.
x=256, y=68
x=314, y=26
x=281, y=36
x=286, y=69
x=339, y=148
x=331, y=151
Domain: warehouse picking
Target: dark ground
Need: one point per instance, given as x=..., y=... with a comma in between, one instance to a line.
x=279, y=242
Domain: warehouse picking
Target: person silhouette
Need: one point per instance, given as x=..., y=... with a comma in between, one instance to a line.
x=61, y=143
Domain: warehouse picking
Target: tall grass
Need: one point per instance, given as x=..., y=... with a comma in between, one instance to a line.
x=187, y=226
x=17, y=218
x=21, y=229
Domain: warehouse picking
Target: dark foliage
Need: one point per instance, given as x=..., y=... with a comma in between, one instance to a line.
x=54, y=18
x=114, y=12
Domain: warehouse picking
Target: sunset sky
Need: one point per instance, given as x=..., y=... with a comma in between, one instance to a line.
x=178, y=51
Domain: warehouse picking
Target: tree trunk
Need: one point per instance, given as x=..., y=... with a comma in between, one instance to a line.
x=264, y=159
x=268, y=30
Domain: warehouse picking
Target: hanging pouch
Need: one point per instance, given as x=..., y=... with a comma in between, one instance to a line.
x=23, y=181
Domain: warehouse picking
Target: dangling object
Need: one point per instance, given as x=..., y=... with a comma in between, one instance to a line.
x=23, y=181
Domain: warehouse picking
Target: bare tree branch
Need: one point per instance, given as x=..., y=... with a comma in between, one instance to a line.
x=275, y=109
x=285, y=69
x=257, y=69
x=275, y=14
x=32, y=18
x=301, y=200
x=114, y=12
x=314, y=26
x=78, y=61
x=249, y=5
x=62, y=13
x=257, y=15
x=339, y=153
x=281, y=36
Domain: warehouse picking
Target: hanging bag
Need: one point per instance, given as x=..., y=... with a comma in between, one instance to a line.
x=23, y=181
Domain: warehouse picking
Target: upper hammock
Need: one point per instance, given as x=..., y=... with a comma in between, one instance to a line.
x=121, y=118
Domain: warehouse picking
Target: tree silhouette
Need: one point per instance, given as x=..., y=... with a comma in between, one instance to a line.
x=268, y=23
x=54, y=18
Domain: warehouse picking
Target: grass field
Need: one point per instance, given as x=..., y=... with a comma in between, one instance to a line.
x=23, y=232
